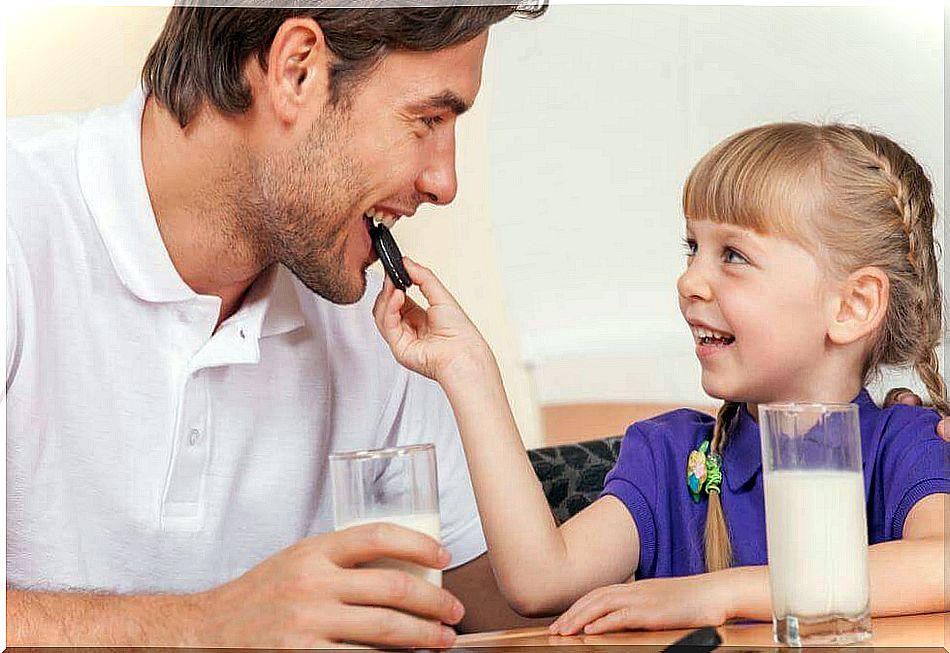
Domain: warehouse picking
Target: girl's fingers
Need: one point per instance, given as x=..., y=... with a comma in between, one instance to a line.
x=392, y=316
x=579, y=615
x=379, y=305
x=570, y=615
x=432, y=289
x=613, y=621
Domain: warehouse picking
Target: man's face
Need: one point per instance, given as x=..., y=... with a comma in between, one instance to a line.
x=387, y=147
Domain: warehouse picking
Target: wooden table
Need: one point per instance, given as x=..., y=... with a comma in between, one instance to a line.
x=926, y=631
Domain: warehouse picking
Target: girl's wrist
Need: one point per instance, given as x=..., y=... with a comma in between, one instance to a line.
x=744, y=592
x=472, y=366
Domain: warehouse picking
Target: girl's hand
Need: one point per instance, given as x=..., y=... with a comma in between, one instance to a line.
x=434, y=342
x=652, y=604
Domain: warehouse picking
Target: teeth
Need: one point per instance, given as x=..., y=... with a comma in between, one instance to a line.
x=705, y=335
x=381, y=217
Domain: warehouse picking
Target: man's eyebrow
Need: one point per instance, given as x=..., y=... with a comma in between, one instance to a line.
x=444, y=100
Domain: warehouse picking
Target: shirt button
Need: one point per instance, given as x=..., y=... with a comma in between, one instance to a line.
x=242, y=334
x=194, y=437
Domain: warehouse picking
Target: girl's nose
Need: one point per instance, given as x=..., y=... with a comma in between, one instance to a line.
x=693, y=283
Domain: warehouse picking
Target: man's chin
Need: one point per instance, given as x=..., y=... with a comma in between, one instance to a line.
x=349, y=293
x=342, y=290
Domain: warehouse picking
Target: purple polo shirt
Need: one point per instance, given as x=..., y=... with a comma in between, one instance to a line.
x=904, y=461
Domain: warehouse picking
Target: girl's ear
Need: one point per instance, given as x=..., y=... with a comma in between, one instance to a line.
x=860, y=306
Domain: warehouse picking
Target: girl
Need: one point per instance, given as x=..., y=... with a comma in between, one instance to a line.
x=810, y=264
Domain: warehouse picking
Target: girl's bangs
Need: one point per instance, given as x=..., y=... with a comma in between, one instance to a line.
x=766, y=179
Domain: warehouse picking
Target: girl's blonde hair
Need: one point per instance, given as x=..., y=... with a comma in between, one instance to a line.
x=855, y=199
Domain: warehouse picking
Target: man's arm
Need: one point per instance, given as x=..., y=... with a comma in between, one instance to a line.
x=310, y=595
x=485, y=608
x=76, y=619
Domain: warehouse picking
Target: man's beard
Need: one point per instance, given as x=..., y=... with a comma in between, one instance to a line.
x=303, y=211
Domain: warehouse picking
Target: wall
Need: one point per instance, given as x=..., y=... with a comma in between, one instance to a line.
x=563, y=244
x=598, y=115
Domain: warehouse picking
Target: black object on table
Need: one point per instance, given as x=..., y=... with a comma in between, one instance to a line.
x=701, y=640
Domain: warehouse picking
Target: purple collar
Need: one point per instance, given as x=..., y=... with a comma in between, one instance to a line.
x=742, y=459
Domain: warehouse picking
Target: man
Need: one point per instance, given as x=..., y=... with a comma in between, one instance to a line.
x=180, y=360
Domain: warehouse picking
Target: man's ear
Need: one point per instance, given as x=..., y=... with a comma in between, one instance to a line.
x=298, y=69
x=859, y=308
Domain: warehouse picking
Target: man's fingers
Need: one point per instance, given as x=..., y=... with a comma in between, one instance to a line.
x=943, y=428
x=400, y=590
x=368, y=542
x=432, y=289
x=902, y=396
x=385, y=627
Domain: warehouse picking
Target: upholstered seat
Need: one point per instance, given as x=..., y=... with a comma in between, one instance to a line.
x=572, y=475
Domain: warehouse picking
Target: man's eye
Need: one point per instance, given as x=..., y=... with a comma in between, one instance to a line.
x=733, y=256
x=689, y=247
x=431, y=121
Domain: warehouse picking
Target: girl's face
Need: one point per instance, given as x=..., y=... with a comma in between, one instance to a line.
x=758, y=308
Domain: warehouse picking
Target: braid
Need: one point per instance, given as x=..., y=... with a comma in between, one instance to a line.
x=911, y=194
x=928, y=370
x=718, y=543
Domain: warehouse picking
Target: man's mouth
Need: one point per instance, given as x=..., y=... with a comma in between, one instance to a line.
x=379, y=216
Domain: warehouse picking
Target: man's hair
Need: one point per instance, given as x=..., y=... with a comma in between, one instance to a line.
x=200, y=54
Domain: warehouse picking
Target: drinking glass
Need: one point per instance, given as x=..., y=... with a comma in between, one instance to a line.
x=398, y=485
x=816, y=525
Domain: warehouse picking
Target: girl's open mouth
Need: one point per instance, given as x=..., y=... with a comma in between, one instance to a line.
x=707, y=336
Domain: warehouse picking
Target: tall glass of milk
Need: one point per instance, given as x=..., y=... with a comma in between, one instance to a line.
x=398, y=485
x=816, y=525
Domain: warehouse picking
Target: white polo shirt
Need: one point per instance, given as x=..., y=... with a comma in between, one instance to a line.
x=145, y=453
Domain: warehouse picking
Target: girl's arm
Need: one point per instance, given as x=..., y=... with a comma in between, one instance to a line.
x=906, y=578
x=540, y=568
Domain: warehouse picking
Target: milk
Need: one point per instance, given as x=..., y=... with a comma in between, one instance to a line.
x=429, y=523
x=817, y=542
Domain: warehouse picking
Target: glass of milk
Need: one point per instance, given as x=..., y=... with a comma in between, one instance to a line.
x=816, y=525
x=397, y=485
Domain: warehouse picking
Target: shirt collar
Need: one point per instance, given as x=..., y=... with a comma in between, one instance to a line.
x=274, y=303
x=112, y=179
x=742, y=458
x=109, y=161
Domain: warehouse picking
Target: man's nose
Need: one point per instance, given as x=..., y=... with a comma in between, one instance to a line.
x=694, y=283
x=437, y=181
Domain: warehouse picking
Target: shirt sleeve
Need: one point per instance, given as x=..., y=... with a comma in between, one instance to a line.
x=426, y=416
x=14, y=333
x=633, y=481
x=914, y=463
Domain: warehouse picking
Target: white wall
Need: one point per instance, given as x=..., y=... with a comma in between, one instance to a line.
x=599, y=112
x=563, y=244
x=75, y=58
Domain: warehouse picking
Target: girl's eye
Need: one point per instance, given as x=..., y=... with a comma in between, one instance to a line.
x=689, y=246
x=733, y=256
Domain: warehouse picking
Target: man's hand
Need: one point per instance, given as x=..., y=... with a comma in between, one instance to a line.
x=907, y=396
x=311, y=595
